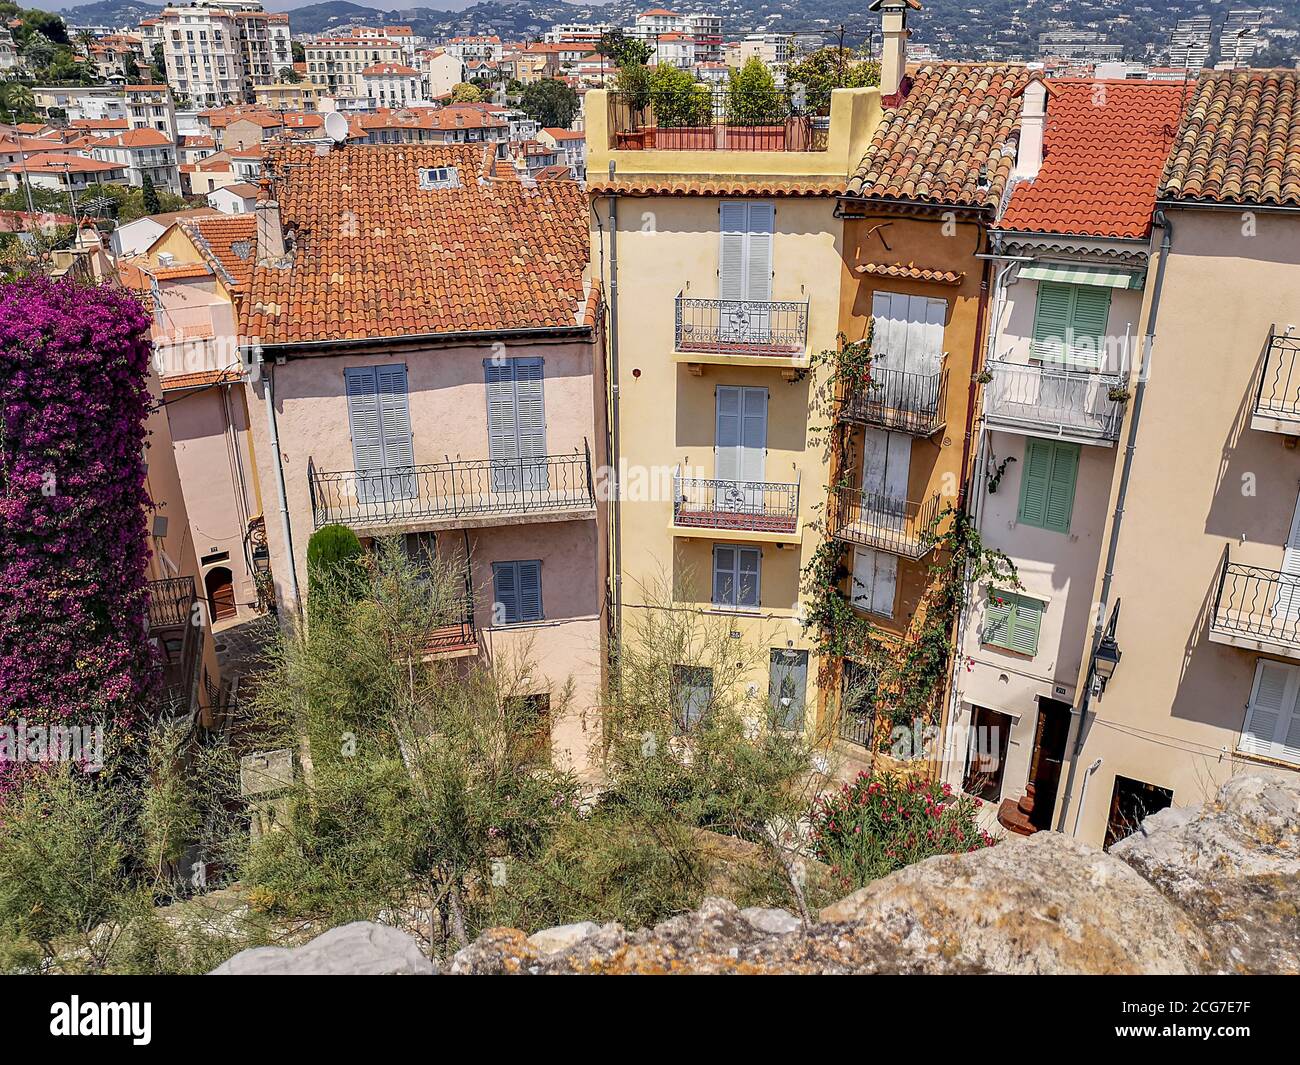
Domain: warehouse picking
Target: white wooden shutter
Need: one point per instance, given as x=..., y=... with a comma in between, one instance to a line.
x=1272, y=725
x=363, y=418
x=1287, y=604
x=907, y=332
x=758, y=254
x=733, y=224
x=875, y=581
x=886, y=464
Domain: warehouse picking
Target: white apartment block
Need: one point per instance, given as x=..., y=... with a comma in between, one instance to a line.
x=587, y=32
x=338, y=62
x=483, y=48
x=141, y=153
x=142, y=106
x=392, y=85
x=442, y=71
x=215, y=52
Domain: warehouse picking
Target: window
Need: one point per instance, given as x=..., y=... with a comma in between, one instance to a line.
x=787, y=688
x=516, y=424
x=859, y=686
x=1132, y=802
x=875, y=581
x=380, y=422
x=692, y=692
x=735, y=576
x=517, y=592
x=1012, y=622
x=1047, y=484
x=745, y=251
x=986, y=753
x=1070, y=324
x=1272, y=726
x=528, y=725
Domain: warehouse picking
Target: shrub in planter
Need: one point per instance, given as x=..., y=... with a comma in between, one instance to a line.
x=879, y=824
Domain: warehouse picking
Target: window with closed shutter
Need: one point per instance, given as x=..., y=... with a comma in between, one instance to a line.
x=379, y=420
x=745, y=250
x=516, y=409
x=1070, y=324
x=875, y=581
x=517, y=592
x=1047, y=484
x=1012, y=622
x=735, y=576
x=1272, y=725
x=692, y=692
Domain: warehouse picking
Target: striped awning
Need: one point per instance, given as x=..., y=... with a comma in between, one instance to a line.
x=1078, y=274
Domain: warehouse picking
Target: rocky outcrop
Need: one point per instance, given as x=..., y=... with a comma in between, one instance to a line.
x=1214, y=889
x=1233, y=865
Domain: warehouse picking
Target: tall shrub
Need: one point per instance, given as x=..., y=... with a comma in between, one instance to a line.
x=73, y=522
x=753, y=98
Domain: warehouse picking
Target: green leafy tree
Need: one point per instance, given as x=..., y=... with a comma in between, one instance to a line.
x=634, y=84
x=551, y=102
x=333, y=552
x=678, y=99
x=464, y=92
x=624, y=50
x=298, y=52
x=158, y=66
x=827, y=69
x=753, y=98
x=290, y=76
x=149, y=196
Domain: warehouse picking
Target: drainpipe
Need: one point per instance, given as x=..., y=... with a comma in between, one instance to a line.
x=617, y=494
x=1083, y=794
x=1112, y=548
x=268, y=376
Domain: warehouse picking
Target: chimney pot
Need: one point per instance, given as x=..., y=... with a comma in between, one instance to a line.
x=894, y=31
x=270, y=232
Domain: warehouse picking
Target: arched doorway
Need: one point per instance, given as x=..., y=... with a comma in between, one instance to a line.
x=220, y=587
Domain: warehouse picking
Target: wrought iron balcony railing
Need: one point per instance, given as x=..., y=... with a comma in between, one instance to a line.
x=1072, y=404
x=179, y=641
x=700, y=119
x=457, y=489
x=1278, y=396
x=459, y=633
x=893, y=399
x=171, y=602
x=742, y=327
x=1253, y=605
x=754, y=506
x=884, y=522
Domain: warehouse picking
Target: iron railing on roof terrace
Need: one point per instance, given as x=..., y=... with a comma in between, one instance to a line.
x=703, y=119
x=1278, y=395
x=742, y=327
x=884, y=522
x=895, y=399
x=455, y=489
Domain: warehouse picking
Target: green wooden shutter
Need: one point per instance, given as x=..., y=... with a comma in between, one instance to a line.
x=1047, y=484
x=997, y=619
x=1026, y=621
x=1088, y=326
x=1051, y=321
x=1060, y=488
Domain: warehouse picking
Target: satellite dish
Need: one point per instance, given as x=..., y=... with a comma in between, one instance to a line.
x=336, y=127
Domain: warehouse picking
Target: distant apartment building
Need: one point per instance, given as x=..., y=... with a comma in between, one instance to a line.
x=305, y=95
x=454, y=124
x=338, y=62
x=442, y=71
x=144, y=153
x=217, y=51
x=458, y=407
x=392, y=85
x=139, y=106
x=1078, y=44
x=484, y=48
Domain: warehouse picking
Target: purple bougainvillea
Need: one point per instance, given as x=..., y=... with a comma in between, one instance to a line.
x=73, y=506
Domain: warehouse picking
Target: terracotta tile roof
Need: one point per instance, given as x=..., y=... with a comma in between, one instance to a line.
x=683, y=185
x=484, y=256
x=228, y=243
x=135, y=138
x=949, y=140
x=184, y=272
x=385, y=70
x=60, y=163
x=1104, y=147
x=911, y=273
x=200, y=378
x=1239, y=141
x=553, y=173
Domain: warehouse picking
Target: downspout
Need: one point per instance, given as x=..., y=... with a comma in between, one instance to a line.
x=1112, y=548
x=268, y=375
x=616, y=494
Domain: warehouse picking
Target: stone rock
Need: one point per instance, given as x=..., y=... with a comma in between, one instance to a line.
x=770, y=920
x=361, y=948
x=562, y=937
x=1233, y=864
x=1039, y=904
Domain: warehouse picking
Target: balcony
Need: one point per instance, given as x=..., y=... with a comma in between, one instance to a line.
x=1256, y=609
x=708, y=120
x=459, y=636
x=736, y=510
x=893, y=399
x=742, y=332
x=1277, y=401
x=455, y=494
x=172, y=630
x=1049, y=401
x=884, y=523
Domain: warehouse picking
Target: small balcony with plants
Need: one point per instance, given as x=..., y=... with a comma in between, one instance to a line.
x=1051, y=399
x=884, y=522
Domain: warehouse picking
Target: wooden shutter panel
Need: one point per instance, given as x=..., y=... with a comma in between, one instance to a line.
x=1035, y=480
x=531, y=407
x=748, y=561
x=724, y=576
x=505, y=590
x=727, y=441
x=758, y=255
x=733, y=226
x=1051, y=321
x=1088, y=325
x=394, y=416
x=1026, y=621
x=363, y=418
x=1271, y=713
x=530, y=590
x=997, y=619
x=503, y=441
x=1060, y=489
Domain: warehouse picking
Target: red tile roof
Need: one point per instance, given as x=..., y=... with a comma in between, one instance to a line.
x=59, y=163
x=389, y=70
x=1104, y=146
x=228, y=243
x=949, y=140
x=484, y=256
x=1239, y=141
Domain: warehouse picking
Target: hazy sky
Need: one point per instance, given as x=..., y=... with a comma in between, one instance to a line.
x=287, y=5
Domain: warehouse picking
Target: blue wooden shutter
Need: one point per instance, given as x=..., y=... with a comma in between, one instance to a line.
x=724, y=576
x=363, y=418
x=748, y=561
x=530, y=590
x=734, y=226
x=503, y=440
x=758, y=253
x=505, y=590
x=394, y=416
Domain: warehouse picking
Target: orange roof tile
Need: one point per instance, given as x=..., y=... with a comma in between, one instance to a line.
x=228, y=243
x=1239, y=141
x=483, y=256
x=911, y=273
x=1104, y=146
x=948, y=140
x=200, y=379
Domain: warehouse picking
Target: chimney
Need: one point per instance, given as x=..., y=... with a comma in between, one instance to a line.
x=893, y=52
x=1033, y=117
x=270, y=233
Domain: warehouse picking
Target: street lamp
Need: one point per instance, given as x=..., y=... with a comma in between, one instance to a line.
x=1107, y=654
